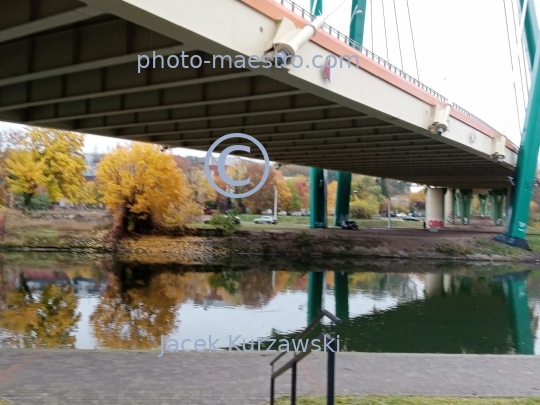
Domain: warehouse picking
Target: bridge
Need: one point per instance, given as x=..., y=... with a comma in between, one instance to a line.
x=77, y=66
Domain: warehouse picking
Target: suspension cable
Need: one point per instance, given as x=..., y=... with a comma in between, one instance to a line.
x=385, y=35
x=412, y=36
x=398, y=39
x=519, y=59
x=512, y=65
x=371, y=18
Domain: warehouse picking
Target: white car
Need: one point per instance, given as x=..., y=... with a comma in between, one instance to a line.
x=267, y=212
x=282, y=213
x=401, y=215
x=265, y=219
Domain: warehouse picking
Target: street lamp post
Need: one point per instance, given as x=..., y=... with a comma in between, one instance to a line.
x=275, y=202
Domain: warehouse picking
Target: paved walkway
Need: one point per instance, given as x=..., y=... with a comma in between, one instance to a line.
x=129, y=378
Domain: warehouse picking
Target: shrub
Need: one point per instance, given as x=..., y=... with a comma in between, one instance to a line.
x=363, y=209
x=225, y=222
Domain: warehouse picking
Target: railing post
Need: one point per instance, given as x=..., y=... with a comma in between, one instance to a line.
x=272, y=384
x=293, y=385
x=331, y=374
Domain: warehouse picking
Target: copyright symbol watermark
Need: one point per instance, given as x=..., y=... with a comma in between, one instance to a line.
x=221, y=166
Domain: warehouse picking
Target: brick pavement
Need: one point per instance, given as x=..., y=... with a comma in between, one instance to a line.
x=131, y=377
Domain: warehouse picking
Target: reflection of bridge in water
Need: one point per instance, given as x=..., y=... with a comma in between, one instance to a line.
x=457, y=315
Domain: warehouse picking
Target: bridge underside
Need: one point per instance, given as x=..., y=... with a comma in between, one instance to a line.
x=70, y=66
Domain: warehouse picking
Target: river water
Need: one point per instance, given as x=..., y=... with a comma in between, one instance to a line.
x=93, y=302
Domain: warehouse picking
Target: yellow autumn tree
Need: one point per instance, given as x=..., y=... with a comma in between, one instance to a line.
x=26, y=174
x=62, y=155
x=49, y=158
x=202, y=190
x=143, y=187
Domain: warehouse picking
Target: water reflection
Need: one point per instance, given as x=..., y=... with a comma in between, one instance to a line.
x=386, y=306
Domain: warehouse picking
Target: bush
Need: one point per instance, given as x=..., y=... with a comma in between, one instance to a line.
x=363, y=209
x=39, y=202
x=225, y=222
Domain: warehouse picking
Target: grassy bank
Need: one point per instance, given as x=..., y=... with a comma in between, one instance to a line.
x=61, y=229
x=383, y=400
x=290, y=222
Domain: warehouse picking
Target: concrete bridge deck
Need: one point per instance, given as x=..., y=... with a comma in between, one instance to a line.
x=73, y=65
x=126, y=378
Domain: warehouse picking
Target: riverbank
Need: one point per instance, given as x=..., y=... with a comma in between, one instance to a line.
x=88, y=232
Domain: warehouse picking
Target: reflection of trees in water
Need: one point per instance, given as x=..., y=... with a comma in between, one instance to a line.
x=136, y=316
x=41, y=319
x=226, y=279
x=256, y=287
x=402, y=286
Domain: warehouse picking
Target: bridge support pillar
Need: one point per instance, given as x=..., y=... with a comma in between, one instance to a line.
x=457, y=205
x=341, y=292
x=465, y=197
x=315, y=294
x=317, y=198
x=434, y=208
x=497, y=204
x=343, y=197
x=449, y=206
x=483, y=204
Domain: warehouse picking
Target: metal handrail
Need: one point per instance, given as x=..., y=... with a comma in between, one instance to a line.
x=308, y=328
x=291, y=364
x=295, y=8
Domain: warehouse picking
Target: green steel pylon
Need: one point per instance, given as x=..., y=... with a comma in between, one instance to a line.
x=316, y=7
x=517, y=216
x=531, y=29
x=518, y=209
x=356, y=33
x=317, y=198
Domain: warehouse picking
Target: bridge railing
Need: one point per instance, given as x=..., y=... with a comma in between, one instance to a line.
x=353, y=44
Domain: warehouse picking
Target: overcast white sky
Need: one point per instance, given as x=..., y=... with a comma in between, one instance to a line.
x=461, y=47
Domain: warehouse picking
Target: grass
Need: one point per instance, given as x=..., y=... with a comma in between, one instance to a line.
x=491, y=248
x=385, y=400
x=41, y=229
x=453, y=249
x=290, y=222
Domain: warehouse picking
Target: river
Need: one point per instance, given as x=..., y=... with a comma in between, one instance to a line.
x=57, y=300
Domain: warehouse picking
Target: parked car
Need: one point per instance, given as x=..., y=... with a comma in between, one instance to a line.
x=210, y=212
x=401, y=215
x=282, y=213
x=265, y=219
x=410, y=218
x=235, y=219
x=296, y=214
x=267, y=212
